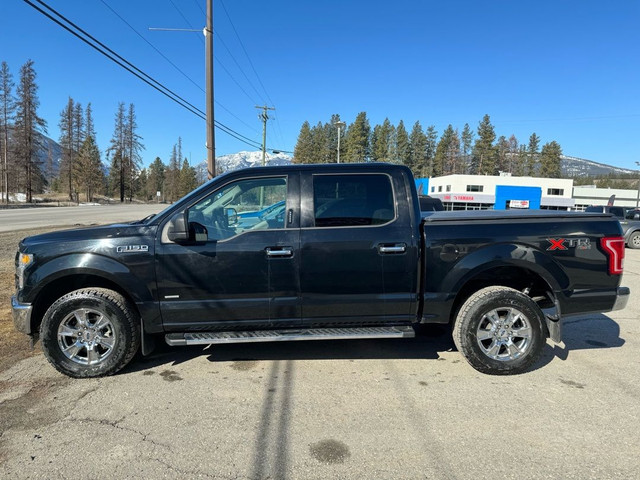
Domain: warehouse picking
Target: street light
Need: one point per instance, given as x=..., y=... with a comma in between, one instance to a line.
x=340, y=125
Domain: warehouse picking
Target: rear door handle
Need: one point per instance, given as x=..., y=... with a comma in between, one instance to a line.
x=392, y=247
x=279, y=251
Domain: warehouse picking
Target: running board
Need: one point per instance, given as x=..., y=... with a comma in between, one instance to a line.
x=207, y=338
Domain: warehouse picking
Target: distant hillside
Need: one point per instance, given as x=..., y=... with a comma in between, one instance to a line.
x=580, y=167
x=234, y=161
x=46, y=145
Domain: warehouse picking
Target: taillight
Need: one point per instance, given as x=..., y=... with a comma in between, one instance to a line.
x=614, y=246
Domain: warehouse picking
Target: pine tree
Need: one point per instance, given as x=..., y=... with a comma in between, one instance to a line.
x=133, y=148
x=513, y=154
x=484, y=152
x=417, y=147
x=320, y=142
x=91, y=165
x=403, y=148
x=27, y=126
x=522, y=164
x=466, y=144
x=382, y=142
x=532, y=159
x=502, y=154
x=7, y=111
x=357, y=140
x=67, y=142
x=550, y=162
x=430, y=150
x=156, y=177
x=447, y=158
x=187, y=178
x=172, y=176
x=303, y=151
x=118, y=150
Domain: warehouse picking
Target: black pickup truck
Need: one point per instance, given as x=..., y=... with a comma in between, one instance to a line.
x=346, y=253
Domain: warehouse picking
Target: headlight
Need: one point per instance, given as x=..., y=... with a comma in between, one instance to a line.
x=24, y=260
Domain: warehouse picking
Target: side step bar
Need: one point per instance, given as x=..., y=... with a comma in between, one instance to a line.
x=207, y=338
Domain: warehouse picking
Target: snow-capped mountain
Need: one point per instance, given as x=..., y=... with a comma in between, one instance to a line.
x=580, y=167
x=234, y=161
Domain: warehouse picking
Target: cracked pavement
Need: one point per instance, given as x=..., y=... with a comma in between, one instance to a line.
x=348, y=409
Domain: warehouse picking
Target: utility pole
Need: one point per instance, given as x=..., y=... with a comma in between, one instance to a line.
x=211, y=134
x=340, y=125
x=264, y=117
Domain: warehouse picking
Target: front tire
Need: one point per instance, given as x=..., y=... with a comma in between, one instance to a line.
x=499, y=331
x=92, y=332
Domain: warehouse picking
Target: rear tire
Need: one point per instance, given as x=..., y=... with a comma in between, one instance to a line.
x=634, y=240
x=499, y=331
x=92, y=332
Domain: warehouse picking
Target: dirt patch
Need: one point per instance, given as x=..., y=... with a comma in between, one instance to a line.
x=244, y=365
x=14, y=346
x=329, y=451
x=170, y=376
x=22, y=412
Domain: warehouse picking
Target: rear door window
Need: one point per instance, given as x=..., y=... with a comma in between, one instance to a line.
x=352, y=200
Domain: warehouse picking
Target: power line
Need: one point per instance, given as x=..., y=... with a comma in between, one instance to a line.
x=218, y=60
x=183, y=17
x=252, y=66
x=174, y=65
x=122, y=62
x=245, y=51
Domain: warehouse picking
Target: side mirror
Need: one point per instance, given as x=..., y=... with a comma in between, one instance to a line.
x=198, y=233
x=232, y=216
x=177, y=231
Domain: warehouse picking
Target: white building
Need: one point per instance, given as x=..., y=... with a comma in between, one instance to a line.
x=590, y=195
x=481, y=192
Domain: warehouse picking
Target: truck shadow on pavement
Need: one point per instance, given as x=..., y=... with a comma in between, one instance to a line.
x=583, y=332
x=587, y=332
x=425, y=346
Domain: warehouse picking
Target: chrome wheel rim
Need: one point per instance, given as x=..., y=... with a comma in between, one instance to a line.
x=504, y=334
x=86, y=336
x=635, y=240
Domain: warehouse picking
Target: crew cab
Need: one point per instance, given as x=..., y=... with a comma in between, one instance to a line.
x=345, y=254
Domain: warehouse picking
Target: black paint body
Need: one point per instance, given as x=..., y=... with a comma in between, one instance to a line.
x=336, y=276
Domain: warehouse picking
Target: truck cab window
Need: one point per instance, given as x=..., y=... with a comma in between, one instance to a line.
x=244, y=205
x=352, y=200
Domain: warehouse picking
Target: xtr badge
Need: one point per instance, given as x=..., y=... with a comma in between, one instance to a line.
x=566, y=243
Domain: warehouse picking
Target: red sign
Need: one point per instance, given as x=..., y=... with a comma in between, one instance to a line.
x=463, y=198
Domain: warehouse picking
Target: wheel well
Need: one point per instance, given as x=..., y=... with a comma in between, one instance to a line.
x=517, y=278
x=61, y=286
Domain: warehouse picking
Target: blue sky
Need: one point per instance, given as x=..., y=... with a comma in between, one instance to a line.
x=568, y=70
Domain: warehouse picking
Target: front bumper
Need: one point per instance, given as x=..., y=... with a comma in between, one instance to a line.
x=622, y=297
x=21, y=315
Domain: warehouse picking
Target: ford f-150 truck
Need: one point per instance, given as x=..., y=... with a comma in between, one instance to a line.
x=345, y=254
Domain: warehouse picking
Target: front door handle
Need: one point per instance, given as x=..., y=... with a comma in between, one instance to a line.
x=392, y=248
x=279, y=251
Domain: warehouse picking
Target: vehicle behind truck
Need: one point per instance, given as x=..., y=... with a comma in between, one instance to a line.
x=315, y=252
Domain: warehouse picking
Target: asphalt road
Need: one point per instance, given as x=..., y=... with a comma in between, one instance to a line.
x=26, y=218
x=351, y=410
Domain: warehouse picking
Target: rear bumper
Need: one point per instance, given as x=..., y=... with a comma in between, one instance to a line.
x=21, y=315
x=622, y=297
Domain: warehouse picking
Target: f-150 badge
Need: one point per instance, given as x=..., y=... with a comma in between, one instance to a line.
x=132, y=248
x=566, y=243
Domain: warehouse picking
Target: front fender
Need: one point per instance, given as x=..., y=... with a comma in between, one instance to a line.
x=86, y=264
